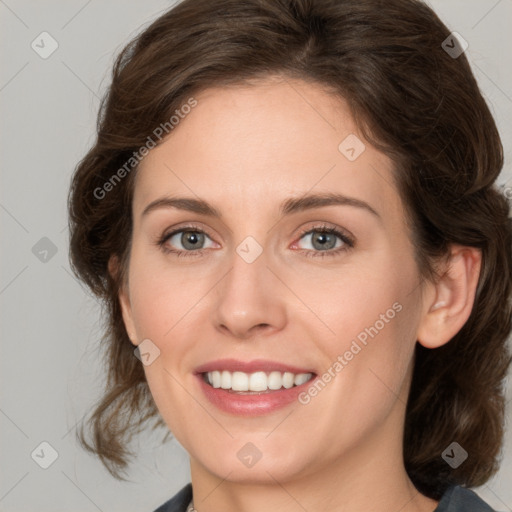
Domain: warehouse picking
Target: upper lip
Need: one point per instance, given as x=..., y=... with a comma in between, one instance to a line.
x=262, y=365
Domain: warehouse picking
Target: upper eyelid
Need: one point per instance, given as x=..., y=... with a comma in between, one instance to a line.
x=192, y=227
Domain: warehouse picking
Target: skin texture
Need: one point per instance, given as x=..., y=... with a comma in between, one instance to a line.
x=245, y=149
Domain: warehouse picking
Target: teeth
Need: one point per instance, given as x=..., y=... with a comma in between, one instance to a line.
x=258, y=381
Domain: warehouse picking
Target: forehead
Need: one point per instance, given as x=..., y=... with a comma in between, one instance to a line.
x=247, y=147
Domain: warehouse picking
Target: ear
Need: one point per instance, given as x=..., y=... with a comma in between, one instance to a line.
x=124, y=301
x=448, y=303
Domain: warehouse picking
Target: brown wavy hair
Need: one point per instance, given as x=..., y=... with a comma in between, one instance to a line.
x=412, y=101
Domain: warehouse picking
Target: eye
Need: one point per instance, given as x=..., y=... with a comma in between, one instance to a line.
x=190, y=238
x=326, y=241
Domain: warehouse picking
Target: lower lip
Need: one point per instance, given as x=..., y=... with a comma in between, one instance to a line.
x=251, y=404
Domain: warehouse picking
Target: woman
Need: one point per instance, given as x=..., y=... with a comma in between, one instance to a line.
x=290, y=212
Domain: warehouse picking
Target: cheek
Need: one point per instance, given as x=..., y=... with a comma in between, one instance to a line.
x=366, y=300
x=372, y=312
x=161, y=295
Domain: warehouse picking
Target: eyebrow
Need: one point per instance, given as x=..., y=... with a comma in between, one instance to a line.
x=287, y=207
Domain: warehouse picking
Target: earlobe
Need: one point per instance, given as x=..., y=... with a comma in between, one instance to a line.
x=449, y=301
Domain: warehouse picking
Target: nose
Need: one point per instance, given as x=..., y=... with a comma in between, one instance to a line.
x=249, y=300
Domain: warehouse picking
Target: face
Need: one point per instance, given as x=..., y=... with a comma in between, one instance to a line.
x=269, y=283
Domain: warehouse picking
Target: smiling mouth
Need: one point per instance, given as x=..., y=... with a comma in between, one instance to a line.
x=255, y=383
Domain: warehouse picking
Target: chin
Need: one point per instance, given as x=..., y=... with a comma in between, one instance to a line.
x=246, y=465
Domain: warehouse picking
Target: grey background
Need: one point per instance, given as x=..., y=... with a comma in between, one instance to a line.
x=50, y=370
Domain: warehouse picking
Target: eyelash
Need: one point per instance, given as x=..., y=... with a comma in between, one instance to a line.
x=349, y=243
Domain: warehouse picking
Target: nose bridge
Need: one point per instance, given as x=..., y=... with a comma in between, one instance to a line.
x=247, y=296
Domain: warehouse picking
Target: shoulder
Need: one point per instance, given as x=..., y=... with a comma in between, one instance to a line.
x=462, y=499
x=179, y=502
